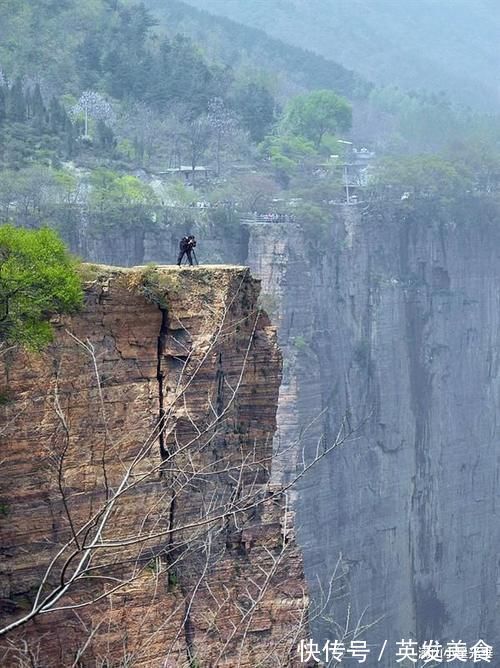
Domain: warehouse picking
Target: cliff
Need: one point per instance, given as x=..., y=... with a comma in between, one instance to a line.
x=392, y=331
x=137, y=518
x=389, y=329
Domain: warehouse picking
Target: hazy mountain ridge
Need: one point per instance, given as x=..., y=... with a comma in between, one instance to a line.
x=434, y=44
x=237, y=44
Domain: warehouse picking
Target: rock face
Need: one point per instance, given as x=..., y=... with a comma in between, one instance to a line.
x=132, y=244
x=277, y=254
x=390, y=330
x=136, y=456
x=399, y=332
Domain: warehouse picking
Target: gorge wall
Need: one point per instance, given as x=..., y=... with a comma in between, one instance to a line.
x=391, y=332
x=136, y=512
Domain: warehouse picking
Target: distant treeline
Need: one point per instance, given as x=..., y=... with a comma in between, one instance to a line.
x=238, y=45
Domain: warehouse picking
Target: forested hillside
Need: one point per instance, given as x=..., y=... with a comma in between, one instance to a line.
x=105, y=45
x=93, y=126
x=246, y=48
x=89, y=122
x=449, y=45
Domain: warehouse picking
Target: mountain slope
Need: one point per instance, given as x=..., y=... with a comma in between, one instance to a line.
x=239, y=45
x=449, y=45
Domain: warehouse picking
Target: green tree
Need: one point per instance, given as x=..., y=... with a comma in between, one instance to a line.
x=181, y=75
x=17, y=101
x=109, y=190
x=316, y=114
x=105, y=136
x=121, y=200
x=287, y=153
x=480, y=155
x=38, y=278
x=3, y=110
x=423, y=190
x=254, y=104
x=37, y=109
x=429, y=176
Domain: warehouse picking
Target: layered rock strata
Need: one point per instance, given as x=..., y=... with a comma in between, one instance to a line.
x=137, y=515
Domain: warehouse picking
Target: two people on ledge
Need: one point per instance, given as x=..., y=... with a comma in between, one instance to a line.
x=186, y=247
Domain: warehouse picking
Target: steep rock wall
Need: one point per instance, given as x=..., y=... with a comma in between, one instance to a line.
x=391, y=329
x=401, y=340
x=277, y=254
x=156, y=404
x=130, y=244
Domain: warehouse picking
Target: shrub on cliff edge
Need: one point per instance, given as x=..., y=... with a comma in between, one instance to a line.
x=38, y=279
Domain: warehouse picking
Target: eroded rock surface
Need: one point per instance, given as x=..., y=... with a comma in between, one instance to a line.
x=156, y=404
x=393, y=329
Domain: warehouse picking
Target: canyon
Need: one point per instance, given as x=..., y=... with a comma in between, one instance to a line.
x=389, y=330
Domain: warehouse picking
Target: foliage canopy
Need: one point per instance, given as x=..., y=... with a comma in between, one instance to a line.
x=422, y=176
x=315, y=114
x=38, y=278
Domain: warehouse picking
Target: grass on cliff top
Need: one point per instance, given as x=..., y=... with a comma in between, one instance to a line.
x=155, y=283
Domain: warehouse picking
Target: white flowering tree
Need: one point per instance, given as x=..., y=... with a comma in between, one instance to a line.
x=92, y=105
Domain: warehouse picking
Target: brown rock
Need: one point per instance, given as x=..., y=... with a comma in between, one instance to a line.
x=146, y=431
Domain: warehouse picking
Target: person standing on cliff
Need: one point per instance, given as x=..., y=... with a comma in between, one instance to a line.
x=186, y=247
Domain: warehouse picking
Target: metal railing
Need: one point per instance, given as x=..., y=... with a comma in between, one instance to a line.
x=269, y=218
